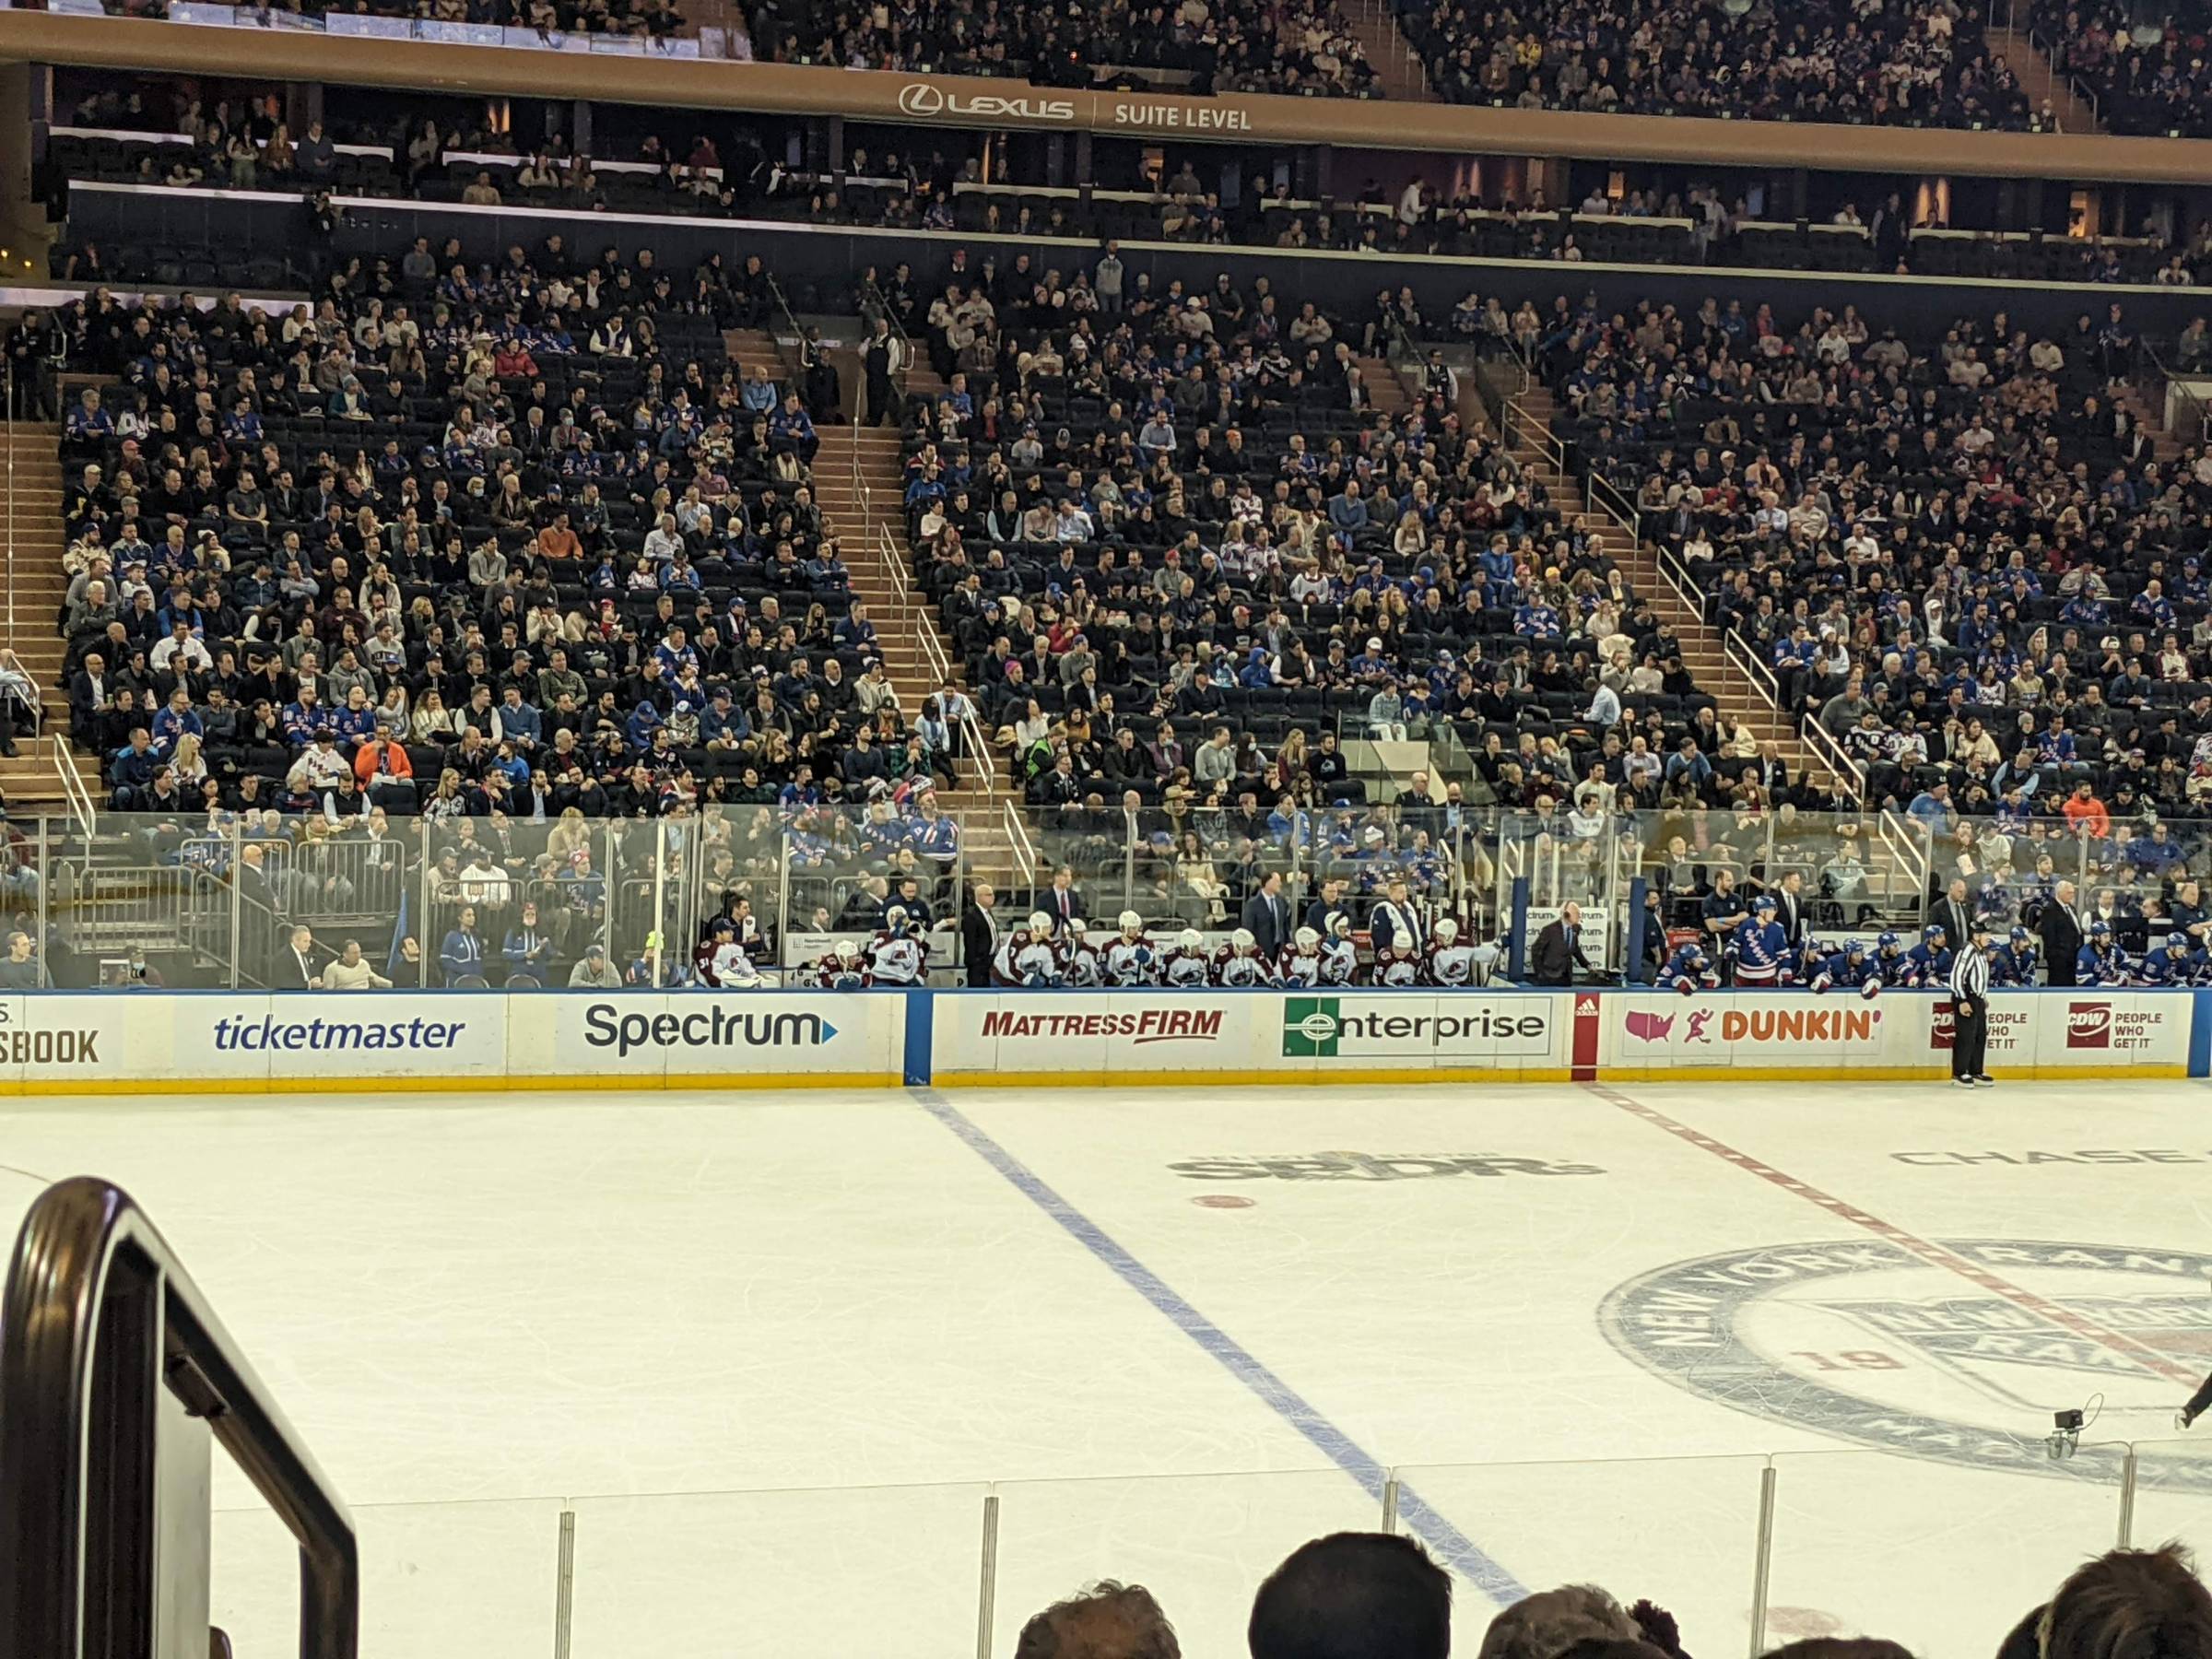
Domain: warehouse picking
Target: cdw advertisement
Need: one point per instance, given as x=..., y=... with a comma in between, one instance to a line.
x=1798, y=1034
x=1130, y=1035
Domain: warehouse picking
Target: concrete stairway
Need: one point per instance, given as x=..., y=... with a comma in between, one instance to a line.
x=2149, y=413
x=1398, y=68
x=36, y=585
x=1385, y=391
x=755, y=347
x=860, y=483
x=2042, y=84
x=1703, y=651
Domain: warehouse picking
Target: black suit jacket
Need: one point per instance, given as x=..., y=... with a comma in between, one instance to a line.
x=1956, y=921
x=2060, y=930
x=1554, y=957
x=978, y=944
x=1790, y=911
x=1062, y=906
x=1268, y=921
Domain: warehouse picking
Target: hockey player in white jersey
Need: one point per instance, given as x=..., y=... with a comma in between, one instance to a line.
x=1079, y=962
x=1303, y=963
x=1239, y=966
x=1026, y=956
x=1188, y=964
x=1450, y=959
x=1339, y=955
x=1129, y=960
x=896, y=955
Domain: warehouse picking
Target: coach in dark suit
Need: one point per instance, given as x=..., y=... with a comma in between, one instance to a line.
x=1557, y=951
x=1789, y=907
x=1266, y=916
x=1062, y=901
x=1954, y=913
x=979, y=935
x=2060, y=930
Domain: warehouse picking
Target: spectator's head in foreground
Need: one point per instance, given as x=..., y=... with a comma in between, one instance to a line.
x=1544, y=1626
x=1354, y=1595
x=2131, y=1604
x=1107, y=1621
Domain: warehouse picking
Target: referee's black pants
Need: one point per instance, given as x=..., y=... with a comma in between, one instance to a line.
x=1969, y=1038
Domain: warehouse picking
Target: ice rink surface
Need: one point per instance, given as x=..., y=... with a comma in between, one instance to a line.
x=774, y=1351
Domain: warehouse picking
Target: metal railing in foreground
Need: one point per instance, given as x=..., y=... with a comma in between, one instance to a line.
x=114, y=1375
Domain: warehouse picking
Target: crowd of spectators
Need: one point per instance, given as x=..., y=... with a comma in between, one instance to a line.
x=465, y=540
x=1305, y=48
x=650, y=19
x=1965, y=557
x=2145, y=77
x=1378, y=1595
x=1912, y=63
x=1180, y=553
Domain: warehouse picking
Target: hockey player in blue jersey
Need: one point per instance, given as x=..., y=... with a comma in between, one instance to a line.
x=1931, y=959
x=2173, y=963
x=1690, y=969
x=1893, y=965
x=1758, y=947
x=1806, y=963
x=2101, y=961
x=1850, y=969
x=2015, y=961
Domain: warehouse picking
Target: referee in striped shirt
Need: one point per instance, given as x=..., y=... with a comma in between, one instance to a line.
x=1970, y=1013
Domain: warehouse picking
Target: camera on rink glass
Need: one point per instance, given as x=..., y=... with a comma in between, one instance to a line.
x=2065, y=1439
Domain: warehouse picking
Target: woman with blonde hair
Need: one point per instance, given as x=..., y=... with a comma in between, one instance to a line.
x=569, y=835
x=186, y=762
x=1288, y=772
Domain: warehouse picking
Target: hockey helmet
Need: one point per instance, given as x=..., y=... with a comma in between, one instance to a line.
x=1242, y=940
x=1447, y=930
x=1308, y=940
x=1076, y=926
x=894, y=919
x=1190, y=939
x=1132, y=923
x=2100, y=930
x=847, y=951
x=1040, y=923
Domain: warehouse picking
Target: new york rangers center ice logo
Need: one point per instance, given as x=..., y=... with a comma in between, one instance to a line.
x=1960, y=1354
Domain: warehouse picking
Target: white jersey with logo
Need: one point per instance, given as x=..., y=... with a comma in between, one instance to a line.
x=1022, y=961
x=1450, y=965
x=1130, y=963
x=728, y=965
x=898, y=959
x=1082, y=966
x=1242, y=972
x=1186, y=967
x=1339, y=963
x=1301, y=972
